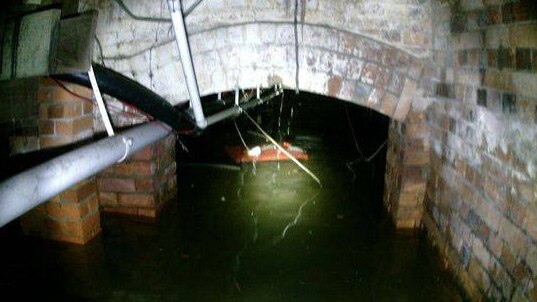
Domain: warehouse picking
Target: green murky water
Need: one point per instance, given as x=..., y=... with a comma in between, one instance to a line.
x=230, y=236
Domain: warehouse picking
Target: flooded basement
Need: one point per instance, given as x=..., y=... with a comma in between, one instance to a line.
x=255, y=232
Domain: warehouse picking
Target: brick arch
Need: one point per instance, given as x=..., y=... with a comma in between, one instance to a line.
x=331, y=62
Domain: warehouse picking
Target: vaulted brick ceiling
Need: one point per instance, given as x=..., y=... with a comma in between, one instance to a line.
x=365, y=52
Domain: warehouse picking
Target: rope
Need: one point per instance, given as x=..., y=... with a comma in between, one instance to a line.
x=240, y=135
x=298, y=163
x=352, y=131
x=376, y=152
x=141, y=18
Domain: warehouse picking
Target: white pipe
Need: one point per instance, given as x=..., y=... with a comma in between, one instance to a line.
x=32, y=187
x=181, y=38
x=100, y=102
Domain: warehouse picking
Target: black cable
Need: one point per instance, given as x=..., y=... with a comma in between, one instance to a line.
x=141, y=18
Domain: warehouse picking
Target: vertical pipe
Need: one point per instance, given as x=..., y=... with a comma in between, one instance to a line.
x=181, y=38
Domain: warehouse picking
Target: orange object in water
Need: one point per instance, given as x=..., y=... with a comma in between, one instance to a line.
x=268, y=153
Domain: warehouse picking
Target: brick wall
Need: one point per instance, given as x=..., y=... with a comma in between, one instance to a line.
x=481, y=196
x=64, y=118
x=407, y=164
x=72, y=216
x=142, y=185
x=350, y=49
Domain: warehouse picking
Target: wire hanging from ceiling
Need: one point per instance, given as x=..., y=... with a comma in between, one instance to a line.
x=141, y=18
x=297, y=64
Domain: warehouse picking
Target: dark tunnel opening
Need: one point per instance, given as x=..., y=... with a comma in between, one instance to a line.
x=336, y=135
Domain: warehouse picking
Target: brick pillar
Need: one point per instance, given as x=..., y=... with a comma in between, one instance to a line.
x=407, y=162
x=143, y=184
x=72, y=216
x=64, y=118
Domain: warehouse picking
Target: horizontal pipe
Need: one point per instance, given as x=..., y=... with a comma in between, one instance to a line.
x=32, y=187
x=236, y=110
x=222, y=115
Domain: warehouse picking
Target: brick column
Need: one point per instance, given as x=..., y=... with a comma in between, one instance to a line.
x=143, y=184
x=406, y=167
x=64, y=118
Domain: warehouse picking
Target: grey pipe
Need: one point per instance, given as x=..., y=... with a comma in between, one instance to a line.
x=237, y=110
x=181, y=38
x=32, y=187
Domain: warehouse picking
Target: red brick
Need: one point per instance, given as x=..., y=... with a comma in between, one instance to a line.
x=82, y=91
x=369, y=73
x=144, y=155
x=87, y=108
x=66, y=110
x=145, y=185
x=45, y=94
x=47, y=81
x=418, y=158
x=334, y=86
x=405, y=101
x=91, y=226
x=43, y=111
x=78, y=232
x=409, y=199
x=416, y=188
x=388, y=104
x=530, y=224
x=107, y=199
x=526, y=191
x=413, y=212
x=83, y=124
x=64, y=127
x=135, y=168
x=137, y=200
x=406, y=224
x=80, y=192
x=121, y=210
x=47, y=141
x=53, y=209
x=46, y=127
x=116, y=185
x=412, y=173
x=383, y=78
x=150, y=213
x=74, y=126
x=62, y=95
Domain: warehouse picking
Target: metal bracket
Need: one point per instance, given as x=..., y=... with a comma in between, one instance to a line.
x=128, y=144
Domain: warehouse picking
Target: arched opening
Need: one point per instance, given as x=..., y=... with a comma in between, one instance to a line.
x=270, y=219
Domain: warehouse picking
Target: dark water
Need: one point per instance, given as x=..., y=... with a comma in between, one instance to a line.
x=230, y=236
